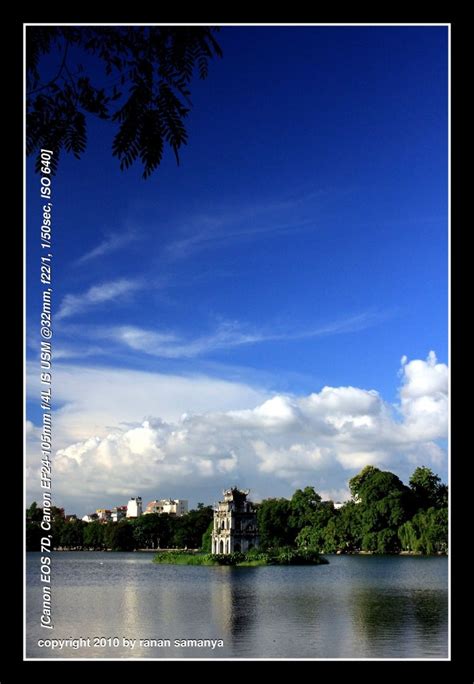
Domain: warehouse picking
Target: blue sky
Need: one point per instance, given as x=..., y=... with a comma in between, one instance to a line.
x=301, y=243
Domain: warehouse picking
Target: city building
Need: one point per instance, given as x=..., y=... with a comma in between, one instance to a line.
x=134, y=507
x=90, y=517
x=235, y=523
x=103, y=514
x=118, y=512
x=176, y=507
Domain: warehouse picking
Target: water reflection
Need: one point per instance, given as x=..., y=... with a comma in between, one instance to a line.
x=354, y=607
x=234, y=604
x=429, y=609
x=395, y=624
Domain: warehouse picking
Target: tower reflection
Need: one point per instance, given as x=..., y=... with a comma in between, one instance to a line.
x=234, y=605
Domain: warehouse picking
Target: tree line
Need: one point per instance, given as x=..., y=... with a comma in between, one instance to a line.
x=151, y=531
x=383, y=516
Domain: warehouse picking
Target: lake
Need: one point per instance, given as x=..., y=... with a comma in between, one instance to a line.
x=355, y=607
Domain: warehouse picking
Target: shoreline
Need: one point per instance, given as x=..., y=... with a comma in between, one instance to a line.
x=197, y=551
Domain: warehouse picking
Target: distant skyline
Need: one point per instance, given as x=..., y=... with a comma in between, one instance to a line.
x=272, y=313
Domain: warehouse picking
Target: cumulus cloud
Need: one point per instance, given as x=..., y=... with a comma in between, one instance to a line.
x=96, y=295
x=424, y=398
x=321, y=438
x=90, y=401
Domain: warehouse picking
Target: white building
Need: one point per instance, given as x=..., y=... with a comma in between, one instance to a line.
x=134, y=507
x=118, y=512
x=176, y=507
x=336, y=504
x=90, y=517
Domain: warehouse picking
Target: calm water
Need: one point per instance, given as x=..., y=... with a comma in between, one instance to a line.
x=356, y=607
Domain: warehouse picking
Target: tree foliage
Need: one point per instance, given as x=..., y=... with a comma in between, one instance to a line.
x=381, y=517
x=304, y=505
x=273, y=518
x=153, y=531
x=206, y=544
x=426, y=532
x=428, y=489
x=94, y=535
x=138, y=78
x=384, y=516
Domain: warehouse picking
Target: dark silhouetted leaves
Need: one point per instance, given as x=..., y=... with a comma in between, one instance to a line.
x=142, y=86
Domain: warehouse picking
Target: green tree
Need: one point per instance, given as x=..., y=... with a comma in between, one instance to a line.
x=388, y=541
x=357, y=482
x=331, y=541
x=118, y=536
x=315, y=535
x=383, y=503
x=57, y=526
x=33, y=536
x=34, y=513
x=349, y=527
x=152, y=531
x=426, y=532
x=94, y=535
x=303, y=506
x=125, y=541
x=137, y=78
x=206, y=544
x=72, y=534
x=188, y=529
x=428, y=489
x=111, y=535
x=273, y=523
x=375, y=484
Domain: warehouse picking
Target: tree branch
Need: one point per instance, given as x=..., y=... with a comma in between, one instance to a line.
x=48, y=85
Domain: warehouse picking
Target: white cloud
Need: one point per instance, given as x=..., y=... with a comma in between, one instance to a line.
x=67, y=352
x=227, y=335
x=170, y=345
x=92, y=400
x=96, y=295
x=215, y=235
x=112, y=243
x=207, y=432
x=337, y=495
x=424, y=398
x=228, y=225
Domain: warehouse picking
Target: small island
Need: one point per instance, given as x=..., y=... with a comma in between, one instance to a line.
x=235, y=540
x=251, y=559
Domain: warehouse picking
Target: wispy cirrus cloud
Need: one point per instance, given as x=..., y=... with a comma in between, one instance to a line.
x=173, y=346
x=64, y=352
x=112, y=243
x=228, y=226
x=96, y=295
x=214, y=235
x=227, y=335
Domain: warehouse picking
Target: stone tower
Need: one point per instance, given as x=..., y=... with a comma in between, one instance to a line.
x=235, y=523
